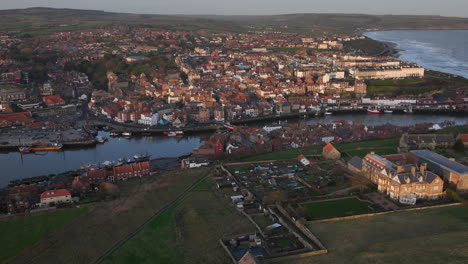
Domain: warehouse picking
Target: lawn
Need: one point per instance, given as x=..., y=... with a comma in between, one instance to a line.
x=19, y=234
x=188, y=232
x=429, y=236
x=336, y=208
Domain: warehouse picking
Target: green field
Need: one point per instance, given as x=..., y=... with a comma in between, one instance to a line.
x=431, y=236
x=426, y=86
x=387, y=145
x=336, y=208
x=19, y=234
x=111, y=220
x=188, y=232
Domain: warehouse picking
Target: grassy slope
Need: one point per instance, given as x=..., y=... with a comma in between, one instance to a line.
x=336, y=208
x=19, y=234
x=108, y=222
x=427, y=236
x=415, y=86
x=187, y=232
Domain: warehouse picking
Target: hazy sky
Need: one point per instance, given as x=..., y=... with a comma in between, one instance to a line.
x=256, y=7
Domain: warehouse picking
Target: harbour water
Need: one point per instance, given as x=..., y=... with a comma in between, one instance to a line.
x=15, y=166
x=440, y=50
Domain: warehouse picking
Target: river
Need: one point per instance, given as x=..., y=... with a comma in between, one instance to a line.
x=17, y=166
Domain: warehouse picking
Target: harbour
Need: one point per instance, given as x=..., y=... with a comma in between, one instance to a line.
x=17, y=166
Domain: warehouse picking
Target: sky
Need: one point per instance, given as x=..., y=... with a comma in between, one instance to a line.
x=256, y=7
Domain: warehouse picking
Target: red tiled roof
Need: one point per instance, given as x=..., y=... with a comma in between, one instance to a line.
x=464, y=137
x=97, y=173
x=328, y=148
x=55, y=193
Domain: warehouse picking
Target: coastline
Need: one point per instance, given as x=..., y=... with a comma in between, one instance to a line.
x=432, y=54
x=391, y=49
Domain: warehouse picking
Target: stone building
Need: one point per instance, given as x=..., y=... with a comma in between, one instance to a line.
x=454, y=174
x=425, y=141
x=402, y=180
x=329, y=152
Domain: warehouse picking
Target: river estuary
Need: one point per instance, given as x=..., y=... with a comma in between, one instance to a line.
x=16, y=166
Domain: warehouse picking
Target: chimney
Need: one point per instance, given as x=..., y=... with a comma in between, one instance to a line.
x=413, y=170
x=422, y=168
x=400, y=169
x=452, y=159
x=384, y=158
x=372, y=153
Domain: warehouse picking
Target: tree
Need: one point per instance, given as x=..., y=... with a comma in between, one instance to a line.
x=459, y=146
x=360, y=181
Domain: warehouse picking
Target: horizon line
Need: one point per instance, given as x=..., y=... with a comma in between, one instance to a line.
x=227, y=15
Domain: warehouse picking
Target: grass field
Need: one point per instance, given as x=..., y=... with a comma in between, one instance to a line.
x=361, y=146
x=429, y=236
x=21, y=233
x=427, y=85
x=109, y=221
x=336, y=208
x=188, y=232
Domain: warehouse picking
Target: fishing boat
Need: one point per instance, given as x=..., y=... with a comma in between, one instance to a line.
x=43, y=146
x=25, y=149
x=90, y=130
x=173, y=133
x=409, y=110
x=373, y=111
x=101, y=139
x=89, y=166
x=141, y=157
x=228, y=126
x=120, y=162
x=107, y=164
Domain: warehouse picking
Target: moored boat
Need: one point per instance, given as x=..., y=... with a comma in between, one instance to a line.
x=328, y=113
x=140, y=157
x=373, y=111
x=25, y=149
x=228, y=126
x=101, y=139
x=126, y=134
x=90, y=130
x=173, y=133
x=388, y=111
x=89, y=166
x=42, y=146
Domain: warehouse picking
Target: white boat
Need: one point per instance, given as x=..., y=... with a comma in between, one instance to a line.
x=388, y=111
x=373, y=110
x=328, y=113
x=126, y=134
